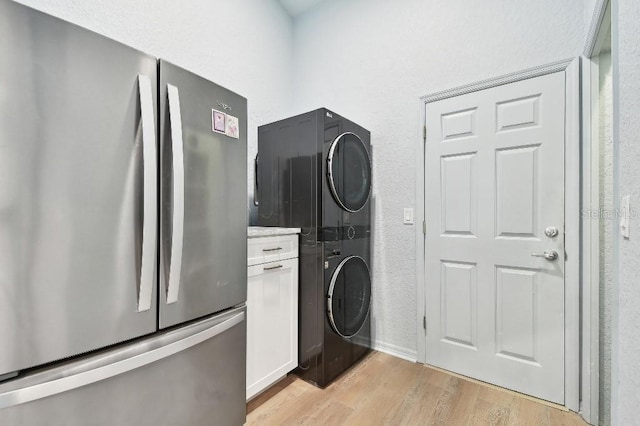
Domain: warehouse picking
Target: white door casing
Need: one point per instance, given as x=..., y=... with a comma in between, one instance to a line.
x=494, y=180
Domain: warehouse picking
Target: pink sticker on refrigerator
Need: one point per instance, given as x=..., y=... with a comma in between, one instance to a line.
x=233, y=127
x=218, y=120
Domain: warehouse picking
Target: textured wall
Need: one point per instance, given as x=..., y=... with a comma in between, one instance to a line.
x=371, y=60
x=607, y=260
x=626, y=350
x=243, y=45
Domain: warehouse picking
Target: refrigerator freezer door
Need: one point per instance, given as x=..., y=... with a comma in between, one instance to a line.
x=203, y=246
x=194, y=375
x=78, y=184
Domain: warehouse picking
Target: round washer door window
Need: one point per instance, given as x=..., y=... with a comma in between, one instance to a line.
x=349, y=172
x=349, y=296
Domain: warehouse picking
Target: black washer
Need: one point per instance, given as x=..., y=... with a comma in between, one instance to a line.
x=349, y=296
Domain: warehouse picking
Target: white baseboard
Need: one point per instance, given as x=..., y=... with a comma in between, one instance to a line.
x=394, y=350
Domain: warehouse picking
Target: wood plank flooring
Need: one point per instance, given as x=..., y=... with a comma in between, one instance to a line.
x=384, y=390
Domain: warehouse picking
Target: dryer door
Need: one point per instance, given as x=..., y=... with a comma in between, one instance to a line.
x=349, y=169
x=349, y=296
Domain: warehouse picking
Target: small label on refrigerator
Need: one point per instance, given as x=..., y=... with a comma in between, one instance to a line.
x=233, y=127
x=218, y=121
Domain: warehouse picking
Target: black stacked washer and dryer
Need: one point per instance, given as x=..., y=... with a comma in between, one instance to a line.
x=314, y=173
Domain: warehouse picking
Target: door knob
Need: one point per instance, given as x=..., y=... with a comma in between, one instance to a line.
x=551, y=232
x=548, y=254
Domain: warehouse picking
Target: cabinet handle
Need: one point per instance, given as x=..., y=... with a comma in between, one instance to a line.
x=273, y=249
x=272, y=268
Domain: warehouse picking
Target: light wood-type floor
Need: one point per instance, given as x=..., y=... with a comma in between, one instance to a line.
x=384, y=390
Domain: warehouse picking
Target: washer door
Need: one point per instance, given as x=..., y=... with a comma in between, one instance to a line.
x=349, y=296
x=349, y=168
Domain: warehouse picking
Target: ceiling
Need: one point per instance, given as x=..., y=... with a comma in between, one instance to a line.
x=296, y=7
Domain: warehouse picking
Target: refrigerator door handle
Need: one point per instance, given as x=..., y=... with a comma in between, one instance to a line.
x=177, y=228
x=47, y=388
x=256, y=186
x=149, y=226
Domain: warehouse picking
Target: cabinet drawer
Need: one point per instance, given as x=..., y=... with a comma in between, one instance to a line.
x=271, y=249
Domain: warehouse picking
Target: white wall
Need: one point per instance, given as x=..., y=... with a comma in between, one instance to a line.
x=243, y=45
x=371, y=60
x=626, y=345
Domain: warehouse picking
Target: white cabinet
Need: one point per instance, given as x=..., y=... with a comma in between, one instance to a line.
x=272, y=311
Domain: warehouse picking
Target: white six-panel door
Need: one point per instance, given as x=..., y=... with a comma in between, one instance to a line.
x=494, y=182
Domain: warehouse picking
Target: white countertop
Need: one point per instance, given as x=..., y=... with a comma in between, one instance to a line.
x=270, y=231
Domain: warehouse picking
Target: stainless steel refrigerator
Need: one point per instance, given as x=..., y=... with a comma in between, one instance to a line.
x=122, y=233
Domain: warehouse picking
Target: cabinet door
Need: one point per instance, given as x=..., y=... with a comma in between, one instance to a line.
x=272, y=323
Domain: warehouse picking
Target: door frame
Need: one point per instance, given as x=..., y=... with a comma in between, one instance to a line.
x=571, y=68
x=601, y=22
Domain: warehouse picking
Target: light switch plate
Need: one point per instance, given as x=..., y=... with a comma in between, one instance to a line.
x=625, y=215
x=408, y=216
